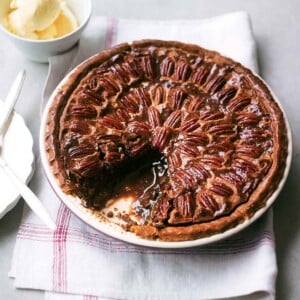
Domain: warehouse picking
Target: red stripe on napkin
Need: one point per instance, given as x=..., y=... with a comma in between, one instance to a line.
x=59, y=280
x=89, y=297
x=111, y=32
x=235, y=244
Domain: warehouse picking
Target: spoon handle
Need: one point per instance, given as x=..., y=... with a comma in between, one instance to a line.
x=30, y=198
x=11, y=99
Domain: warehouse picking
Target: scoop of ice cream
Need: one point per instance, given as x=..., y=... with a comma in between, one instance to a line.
x=40, y=19
x=32, y=15
x=66, y=21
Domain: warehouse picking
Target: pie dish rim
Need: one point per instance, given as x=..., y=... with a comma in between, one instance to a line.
x=84, y=214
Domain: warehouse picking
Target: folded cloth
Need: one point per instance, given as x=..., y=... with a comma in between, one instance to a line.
x=77, y=262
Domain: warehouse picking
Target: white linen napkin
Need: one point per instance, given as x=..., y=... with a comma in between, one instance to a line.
x=77, y=262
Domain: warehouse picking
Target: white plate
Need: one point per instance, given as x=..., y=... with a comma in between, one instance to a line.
x=115, y=230
x=17, y=152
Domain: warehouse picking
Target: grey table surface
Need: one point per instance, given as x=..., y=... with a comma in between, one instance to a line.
x=276, y=27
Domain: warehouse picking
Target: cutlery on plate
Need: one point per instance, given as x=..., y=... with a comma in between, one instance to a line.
x=30, y=198
x=11, y=100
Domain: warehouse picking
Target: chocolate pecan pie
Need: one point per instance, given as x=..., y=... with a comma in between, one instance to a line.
x=192, y=138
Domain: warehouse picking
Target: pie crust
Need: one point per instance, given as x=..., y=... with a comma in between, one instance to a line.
x=202, y=134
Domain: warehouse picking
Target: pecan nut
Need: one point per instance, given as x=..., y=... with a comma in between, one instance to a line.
x=154, y=117
x=167, y=67
x=160, y=138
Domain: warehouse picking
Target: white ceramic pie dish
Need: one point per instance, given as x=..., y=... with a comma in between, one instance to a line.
x=110, y=228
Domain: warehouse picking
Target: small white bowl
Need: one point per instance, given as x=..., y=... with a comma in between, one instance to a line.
x=41, y=50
